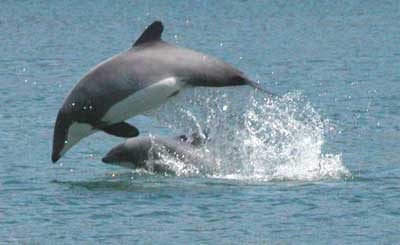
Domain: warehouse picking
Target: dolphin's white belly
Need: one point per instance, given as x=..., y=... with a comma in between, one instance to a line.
x=143, y=100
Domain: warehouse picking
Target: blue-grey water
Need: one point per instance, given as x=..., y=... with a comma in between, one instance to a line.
x=318, y=164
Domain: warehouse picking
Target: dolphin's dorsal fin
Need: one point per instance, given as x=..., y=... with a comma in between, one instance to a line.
x=152, y=33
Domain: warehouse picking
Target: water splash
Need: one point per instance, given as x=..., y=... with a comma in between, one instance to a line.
x=159, y=156
x=252, y=136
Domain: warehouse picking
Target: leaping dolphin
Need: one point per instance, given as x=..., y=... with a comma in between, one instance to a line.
x=132, y=82
x=135, y=153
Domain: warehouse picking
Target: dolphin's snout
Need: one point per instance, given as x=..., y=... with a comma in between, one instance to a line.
x=55, y=156
x=114, y=155
x=108, y=159
x=58, y=140
x=58, y=145
x=60, y=135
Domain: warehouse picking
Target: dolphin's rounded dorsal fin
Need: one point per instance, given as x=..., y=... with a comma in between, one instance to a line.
x=152, y=33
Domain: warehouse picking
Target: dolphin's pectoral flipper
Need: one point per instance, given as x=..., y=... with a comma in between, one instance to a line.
x=152, y=33
x=121, y=129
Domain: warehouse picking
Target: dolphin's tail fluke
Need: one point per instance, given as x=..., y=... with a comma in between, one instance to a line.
x=257, y=86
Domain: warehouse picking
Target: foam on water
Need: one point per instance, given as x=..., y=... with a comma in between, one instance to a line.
x=253, y=136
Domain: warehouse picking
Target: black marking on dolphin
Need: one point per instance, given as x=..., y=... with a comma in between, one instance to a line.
x=132, y=82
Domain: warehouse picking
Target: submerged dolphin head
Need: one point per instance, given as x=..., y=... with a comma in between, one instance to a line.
x=133, y=152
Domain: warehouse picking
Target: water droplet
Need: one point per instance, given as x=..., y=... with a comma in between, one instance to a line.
x=220, y=44
x=66, y=142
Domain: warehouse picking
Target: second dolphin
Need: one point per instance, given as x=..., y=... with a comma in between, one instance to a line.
x=135, y=153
